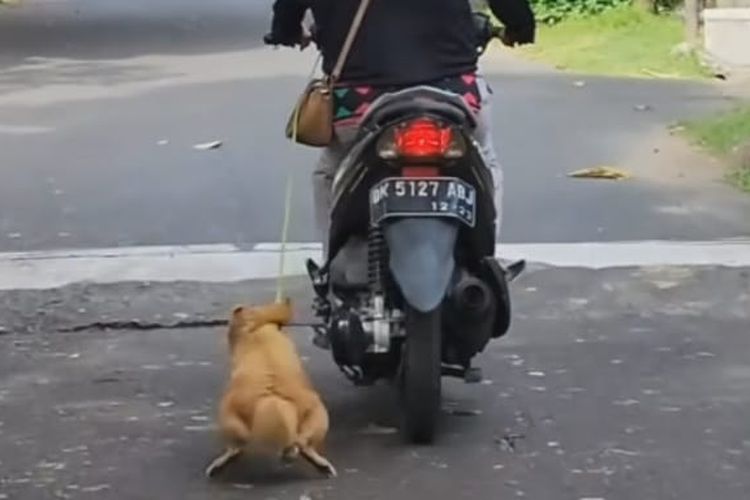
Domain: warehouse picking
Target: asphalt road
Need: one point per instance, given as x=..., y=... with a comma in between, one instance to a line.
x=101, y=103
x=615, y=385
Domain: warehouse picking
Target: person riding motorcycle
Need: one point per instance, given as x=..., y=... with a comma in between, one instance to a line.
x=401, y=44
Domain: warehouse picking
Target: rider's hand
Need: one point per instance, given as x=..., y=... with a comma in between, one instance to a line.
x=512, y=38
x=507, y=40
x=276, y=39
x=305, y=40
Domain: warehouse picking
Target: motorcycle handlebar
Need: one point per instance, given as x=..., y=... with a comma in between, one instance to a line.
x=486, y=32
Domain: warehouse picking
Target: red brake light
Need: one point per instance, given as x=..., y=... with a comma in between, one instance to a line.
x=423, y=138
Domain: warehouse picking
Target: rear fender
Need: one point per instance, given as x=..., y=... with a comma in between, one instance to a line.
x=421, y=259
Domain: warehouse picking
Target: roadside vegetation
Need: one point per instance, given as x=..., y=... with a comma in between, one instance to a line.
x=726, y=135
x=614, y=37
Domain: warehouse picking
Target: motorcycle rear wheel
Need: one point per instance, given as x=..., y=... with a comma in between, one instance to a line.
x=421, y=376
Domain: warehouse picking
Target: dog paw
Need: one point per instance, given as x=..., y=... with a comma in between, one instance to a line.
x=220, y=462
x=330, y=471
x=290, y=454
x=211, y=471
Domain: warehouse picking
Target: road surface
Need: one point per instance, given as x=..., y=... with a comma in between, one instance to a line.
x=102, y=102
x=613, y=384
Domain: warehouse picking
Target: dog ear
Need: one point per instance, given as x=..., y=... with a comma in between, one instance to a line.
x=235, y=324
x=238, y=313
x=279, y=313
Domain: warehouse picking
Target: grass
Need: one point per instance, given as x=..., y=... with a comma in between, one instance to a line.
x=726, y=135
x=620, y=42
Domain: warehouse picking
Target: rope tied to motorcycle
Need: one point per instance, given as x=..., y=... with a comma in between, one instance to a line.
x=288, y=197
x=331, y=80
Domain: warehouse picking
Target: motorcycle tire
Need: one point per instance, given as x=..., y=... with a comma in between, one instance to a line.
x=421, y=376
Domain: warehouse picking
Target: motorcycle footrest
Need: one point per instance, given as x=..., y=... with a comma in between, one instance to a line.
x=471, y=375
x=322, y=342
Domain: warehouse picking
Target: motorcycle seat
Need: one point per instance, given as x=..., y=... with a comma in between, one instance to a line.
x=418, y=100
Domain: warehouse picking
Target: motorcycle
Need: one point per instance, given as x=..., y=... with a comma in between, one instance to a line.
x=411, y=290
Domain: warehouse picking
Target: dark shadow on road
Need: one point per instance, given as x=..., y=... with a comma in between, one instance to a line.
x=80, y=29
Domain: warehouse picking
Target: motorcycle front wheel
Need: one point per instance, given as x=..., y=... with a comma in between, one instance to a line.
x=421, y=376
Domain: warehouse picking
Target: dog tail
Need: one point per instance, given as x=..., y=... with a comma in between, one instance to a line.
x=275, y=423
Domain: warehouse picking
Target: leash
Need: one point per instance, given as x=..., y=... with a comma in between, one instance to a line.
x=289, y=190
x=285, y=227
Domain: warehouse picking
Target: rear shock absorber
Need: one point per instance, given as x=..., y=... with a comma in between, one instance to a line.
x=377, y=254
x=376, y=260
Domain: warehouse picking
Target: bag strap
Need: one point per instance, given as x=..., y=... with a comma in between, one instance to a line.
x=349, y=42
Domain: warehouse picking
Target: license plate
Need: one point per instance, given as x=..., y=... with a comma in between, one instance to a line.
x=423, y=197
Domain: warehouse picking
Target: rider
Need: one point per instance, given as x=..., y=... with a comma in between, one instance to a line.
x=401, y=43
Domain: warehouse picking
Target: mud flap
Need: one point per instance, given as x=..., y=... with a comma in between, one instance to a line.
x=421, y=259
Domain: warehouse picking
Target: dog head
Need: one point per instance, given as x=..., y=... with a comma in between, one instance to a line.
x=247, y=320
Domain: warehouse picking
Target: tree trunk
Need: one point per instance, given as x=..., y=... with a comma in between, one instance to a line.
x=646, y=5
x=692, y=21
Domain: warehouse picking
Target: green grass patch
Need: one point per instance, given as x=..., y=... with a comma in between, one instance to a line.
x=621, y=41
x=726, y=135
x=740, y=177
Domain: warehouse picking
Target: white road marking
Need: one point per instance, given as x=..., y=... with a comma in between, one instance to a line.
x=229, y=263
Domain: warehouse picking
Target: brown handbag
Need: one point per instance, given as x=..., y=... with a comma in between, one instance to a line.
x=311, y=122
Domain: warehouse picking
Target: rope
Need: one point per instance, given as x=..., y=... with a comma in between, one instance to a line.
x=280, y=282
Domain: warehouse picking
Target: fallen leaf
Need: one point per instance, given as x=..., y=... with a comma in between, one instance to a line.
x=377, y=430
x=677, y=128
x=242, y=486
x=206, y=146
x=626, y=402
x=95, y=489
x=460, y=412
x=656, y=74
x=603, y=172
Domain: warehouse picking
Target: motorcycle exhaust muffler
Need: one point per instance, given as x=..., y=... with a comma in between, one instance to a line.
x=472, y=297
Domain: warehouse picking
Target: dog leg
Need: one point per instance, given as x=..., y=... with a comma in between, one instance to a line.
x=290, y=454
x=312, y=432
x=222, y=461
x=318, y=461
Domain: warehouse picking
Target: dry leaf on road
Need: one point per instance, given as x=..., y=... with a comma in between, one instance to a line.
x=610, y=173
x=206, y=146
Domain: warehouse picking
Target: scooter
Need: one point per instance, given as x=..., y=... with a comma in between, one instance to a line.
x=410, y=290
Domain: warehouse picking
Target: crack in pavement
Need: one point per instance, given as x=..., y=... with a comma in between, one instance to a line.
x=139, y=325
x=143, y=325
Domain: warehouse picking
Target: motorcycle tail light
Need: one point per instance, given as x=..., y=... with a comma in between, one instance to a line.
x=419, y=140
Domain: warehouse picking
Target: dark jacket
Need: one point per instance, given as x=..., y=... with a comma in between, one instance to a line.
x=401, y=42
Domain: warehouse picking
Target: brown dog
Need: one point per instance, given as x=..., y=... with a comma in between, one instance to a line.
x=270, y=405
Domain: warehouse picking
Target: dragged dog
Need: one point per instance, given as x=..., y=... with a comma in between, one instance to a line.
x=269, y=405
